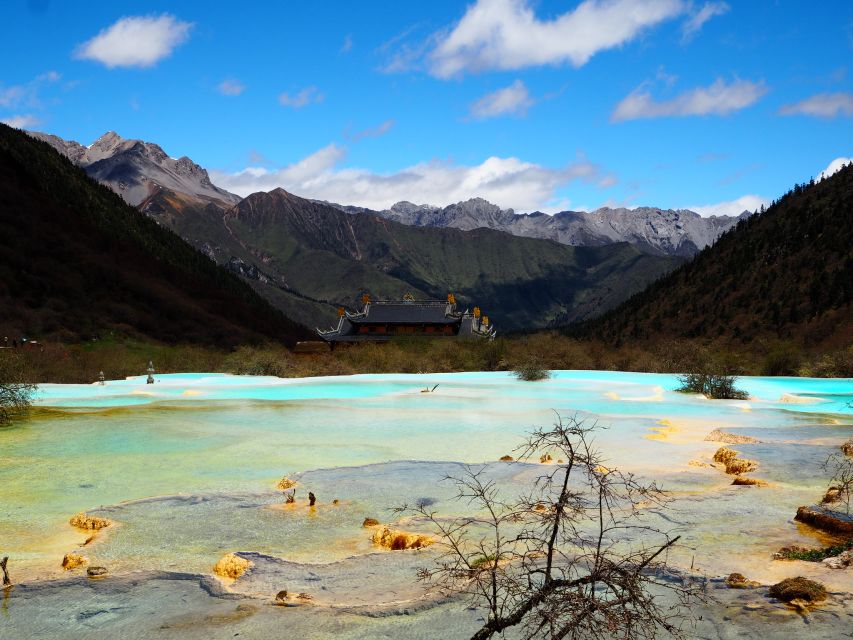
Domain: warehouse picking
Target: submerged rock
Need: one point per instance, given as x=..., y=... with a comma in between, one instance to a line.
x=231, y=566
x=799, y=588
x=89, y=523
x=72, y=561
x=96, y=572
x=370, y=522
x=399, y=540
x=832, y=522
x=718, y=435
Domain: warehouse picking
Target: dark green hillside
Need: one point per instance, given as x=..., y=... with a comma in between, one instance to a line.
x=76, y=262
x=324, y=254
x=783, y=274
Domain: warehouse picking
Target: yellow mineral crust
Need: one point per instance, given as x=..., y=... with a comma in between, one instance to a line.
x=231, y=566
x=89, y=523
x=398, y=540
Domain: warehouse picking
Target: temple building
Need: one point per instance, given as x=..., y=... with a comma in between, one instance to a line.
x=383, y=320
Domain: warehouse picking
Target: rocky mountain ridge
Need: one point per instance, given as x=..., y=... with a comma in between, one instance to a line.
x=678, y=232
x=136, y=170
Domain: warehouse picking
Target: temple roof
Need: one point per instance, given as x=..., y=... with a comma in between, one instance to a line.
x=406, y=312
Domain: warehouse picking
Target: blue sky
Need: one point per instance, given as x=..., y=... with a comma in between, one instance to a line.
x=544, y=105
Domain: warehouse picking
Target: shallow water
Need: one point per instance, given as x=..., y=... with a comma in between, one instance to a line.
x=187, y=466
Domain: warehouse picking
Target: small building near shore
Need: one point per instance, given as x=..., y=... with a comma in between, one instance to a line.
x=383, y=320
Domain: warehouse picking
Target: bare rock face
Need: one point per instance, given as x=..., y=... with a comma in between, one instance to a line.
x=663, y=231
x=136, y=169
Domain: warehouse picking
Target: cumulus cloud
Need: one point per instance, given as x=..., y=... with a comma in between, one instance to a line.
x=731, y=207
x=513, y=100
x=135, y=41
x=698, y=19
x=822, y=105
x=718, y=99
x=372, y=132
x=22, y=121
x=835, y=166
x=306, y=96
x=230, y=87
x=509, y=182
x=506, y=34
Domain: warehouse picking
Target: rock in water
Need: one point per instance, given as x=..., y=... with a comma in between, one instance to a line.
x=739, y=581
x=231, y=566
x=826, y=520
x=400, y=540
x=798, y=588
x=89, y=523
x=370, y=522
x=724, y=455
x=96, y=572
x=72, y=561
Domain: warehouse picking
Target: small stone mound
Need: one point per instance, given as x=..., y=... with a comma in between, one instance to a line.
x=89, y=523
x=739, y=581
x=724, y=455
x=506, y=458
x=739, y=465
x=399, y=540
x=842, y=561
x=285, y=483
x=717, y=435
x=231, y=566
x=742, y=481
x=96, y=572
x=825, y=520
x=72, y=561
x=370, y=522
x=798, y=588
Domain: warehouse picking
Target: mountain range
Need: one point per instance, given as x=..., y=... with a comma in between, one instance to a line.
x=661, y=231
x=309, y=258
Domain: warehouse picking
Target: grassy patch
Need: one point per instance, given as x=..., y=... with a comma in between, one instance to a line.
x=817, y=555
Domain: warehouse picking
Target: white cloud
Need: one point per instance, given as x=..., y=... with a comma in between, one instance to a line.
x=231, y=87
x=731, y=207
x=506, y=34
x=509, y=182
x=22, y=121
x=346, y=47
x=718, y=99
x=373, y=132
x=834, y=167
x=11, y=96
x=18, y=94
x=822, y=105
x=304, y=97
x=697, y=20
x=512, y=100
x=136, y=41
